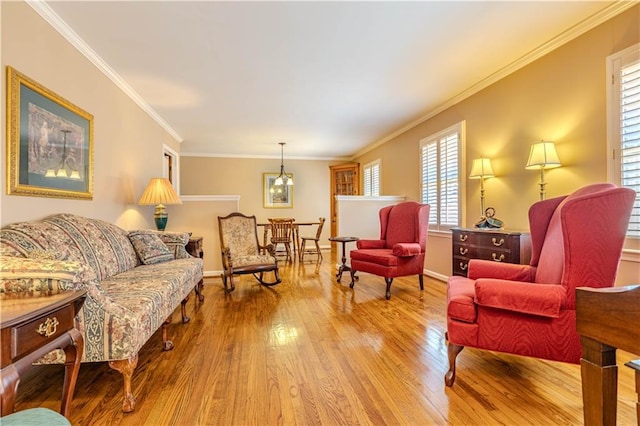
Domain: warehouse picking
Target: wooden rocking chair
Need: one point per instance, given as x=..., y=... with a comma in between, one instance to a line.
x=241, y=251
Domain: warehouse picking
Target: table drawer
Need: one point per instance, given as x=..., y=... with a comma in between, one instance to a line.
x=33, y=334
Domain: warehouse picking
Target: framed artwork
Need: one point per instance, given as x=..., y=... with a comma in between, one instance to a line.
x=276, y=196
x=49, y=142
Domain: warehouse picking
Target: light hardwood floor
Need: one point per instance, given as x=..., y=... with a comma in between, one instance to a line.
x=313, y=351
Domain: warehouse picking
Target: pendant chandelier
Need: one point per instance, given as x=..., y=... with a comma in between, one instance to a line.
x=283, y=178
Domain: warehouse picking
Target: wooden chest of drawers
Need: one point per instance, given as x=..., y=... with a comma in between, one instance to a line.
x=499, y=246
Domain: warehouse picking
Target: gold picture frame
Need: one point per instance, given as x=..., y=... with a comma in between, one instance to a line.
x=49, y=142
x=276, y=196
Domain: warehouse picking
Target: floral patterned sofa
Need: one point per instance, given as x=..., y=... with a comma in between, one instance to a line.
x=134, y=282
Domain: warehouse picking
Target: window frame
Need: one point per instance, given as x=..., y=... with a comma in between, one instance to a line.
x=615, y=63
x=369, y=167
x=459, y=129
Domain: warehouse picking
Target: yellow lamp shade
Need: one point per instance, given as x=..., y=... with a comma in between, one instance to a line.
x=543, y=155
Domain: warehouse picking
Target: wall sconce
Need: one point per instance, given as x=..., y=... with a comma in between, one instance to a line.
x=543, y=156
x=481, y=169
x=159, y=192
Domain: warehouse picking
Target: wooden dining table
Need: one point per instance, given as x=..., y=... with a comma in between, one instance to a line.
x=295, y=234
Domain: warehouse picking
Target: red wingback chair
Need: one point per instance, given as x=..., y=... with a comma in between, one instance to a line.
x=401, y=248
x=529, y=310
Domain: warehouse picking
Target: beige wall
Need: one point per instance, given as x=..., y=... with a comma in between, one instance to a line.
x=244, y=177
x=559, y=97
x=127, y=142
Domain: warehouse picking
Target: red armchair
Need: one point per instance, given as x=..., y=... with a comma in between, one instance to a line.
x=401, y=248
x=529, y=310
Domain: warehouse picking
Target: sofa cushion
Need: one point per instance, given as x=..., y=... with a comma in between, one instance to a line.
x=149, y=247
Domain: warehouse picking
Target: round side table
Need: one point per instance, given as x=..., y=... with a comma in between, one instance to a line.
x=344, y=266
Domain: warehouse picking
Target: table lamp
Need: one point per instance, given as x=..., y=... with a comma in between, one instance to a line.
x=481, y=169
x=543, y=156
x=159, y=192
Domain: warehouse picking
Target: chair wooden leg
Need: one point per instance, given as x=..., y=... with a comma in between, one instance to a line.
x=183, y=310
x=302, y=248
x=421, y=279
x=319, y=252
x=452, y=351
x=387, y=294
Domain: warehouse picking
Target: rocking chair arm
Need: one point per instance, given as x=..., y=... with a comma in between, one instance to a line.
x=226, y=258
x=269, y=248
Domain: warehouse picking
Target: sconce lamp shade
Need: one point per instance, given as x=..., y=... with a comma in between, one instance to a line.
x=159, y=192
x=481, y=168
x=543, y=155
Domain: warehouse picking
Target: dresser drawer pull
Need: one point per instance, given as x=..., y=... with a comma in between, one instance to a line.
x=497, y=258
x=497, y=243
x=463, y=266
x=48, y=328
x=464, y=251
x=463, y=237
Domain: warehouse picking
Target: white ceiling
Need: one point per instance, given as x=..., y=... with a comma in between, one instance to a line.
x=330, y=79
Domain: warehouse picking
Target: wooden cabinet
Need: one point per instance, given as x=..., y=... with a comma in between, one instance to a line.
x=499, y=246
x=345, y=180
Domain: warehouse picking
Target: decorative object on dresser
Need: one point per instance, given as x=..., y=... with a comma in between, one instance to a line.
x=530, y=310
x=345, y=180
x=33, y=327
x=543, y=156
x=159, y=192
x=495, y=245
x=400, y=251
x=134, y=282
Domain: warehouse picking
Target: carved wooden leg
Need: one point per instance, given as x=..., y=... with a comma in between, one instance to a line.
x=421, y=279
x=353, y=277
x=183, y=310
x=73, y=356
x=9, y=386
x=387, y=294
x=167, y=344
x=599, y=382
x=126, y=368
x=198, y=290
x=452, y=351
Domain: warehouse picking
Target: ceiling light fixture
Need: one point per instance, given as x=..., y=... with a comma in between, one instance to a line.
x=283, y=178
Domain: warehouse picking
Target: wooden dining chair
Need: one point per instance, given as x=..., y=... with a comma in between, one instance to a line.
x=281, y=234
x=316, y=241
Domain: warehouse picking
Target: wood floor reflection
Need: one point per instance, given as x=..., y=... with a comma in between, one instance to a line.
x=312, y=351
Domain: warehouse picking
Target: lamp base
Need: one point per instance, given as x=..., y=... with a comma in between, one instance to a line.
x=161, y=221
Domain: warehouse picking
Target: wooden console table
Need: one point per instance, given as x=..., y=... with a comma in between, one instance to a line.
x=607, y=319
x=33, y=326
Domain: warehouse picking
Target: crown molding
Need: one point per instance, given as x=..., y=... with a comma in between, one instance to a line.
x=563, y=38
x=74, y=39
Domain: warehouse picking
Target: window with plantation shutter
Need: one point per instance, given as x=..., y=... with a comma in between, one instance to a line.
x=440, y=176
x=624, y=126
x=372, y=178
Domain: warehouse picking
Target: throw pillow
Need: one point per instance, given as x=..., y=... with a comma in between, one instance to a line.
x=149, y=247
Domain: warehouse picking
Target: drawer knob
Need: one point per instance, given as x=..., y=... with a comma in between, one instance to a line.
x=496, y=242
x=463, y=266
x=463, y=237
x=497, y=258
x=464, y=251
x=48, y=328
